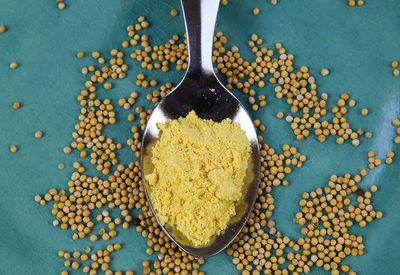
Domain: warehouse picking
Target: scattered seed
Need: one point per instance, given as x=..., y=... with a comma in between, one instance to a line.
x=38, y=134
x=67, y=150
x=107, y=86
x=368, y=134
x=256, y=11
x=364, y=111
x=13, y=148
x=80, y=55
x=61, y=6
x=352, y=103
x=173, y=12
x=16, y=105
x=75, y=265
x=3, y=29
x=289, y=119
x=355, y=142
x=324, y=72
x=14, y=66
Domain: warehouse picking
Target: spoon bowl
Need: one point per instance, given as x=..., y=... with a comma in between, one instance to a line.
x=202, y=92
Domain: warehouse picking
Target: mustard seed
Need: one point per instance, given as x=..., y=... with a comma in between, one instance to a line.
x=256, y=11
x=364, y=111
x=14, y=66
x=61, y=6
x=107, y=86
x=368, y=134
x=16, y=105
x=13, y=148
x=67, y=150
x=38, y=134
x=80, y=55
x=324, y=72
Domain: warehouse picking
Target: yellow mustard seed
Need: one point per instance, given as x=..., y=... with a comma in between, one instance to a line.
x=256, y=11
x=61, y=6
x=80, y=55
x=93, y=238
x=368, y=134
x=67, y=150
x=373, y=188
x=396, y=72
x=13, y=148
x=355, y=142
x=3, y=28
x=95, y=54
x=14, y=65
x=16, y=105
x=324, y=72
x=75, y=265
x=173, y=12
x=352, y=103
x=107, y=86
x=153, y=83
x=390, y=154
x=364, y=111
x=394, y=64
x=38, y=134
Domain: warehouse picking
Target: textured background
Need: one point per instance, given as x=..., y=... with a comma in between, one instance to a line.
x=357, y=44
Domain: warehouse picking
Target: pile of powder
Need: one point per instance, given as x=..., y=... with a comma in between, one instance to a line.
x=200, y=166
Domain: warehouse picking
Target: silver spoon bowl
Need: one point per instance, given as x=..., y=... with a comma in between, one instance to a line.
x=201, y=91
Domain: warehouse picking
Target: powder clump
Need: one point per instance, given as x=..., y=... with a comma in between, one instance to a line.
x=199, y=172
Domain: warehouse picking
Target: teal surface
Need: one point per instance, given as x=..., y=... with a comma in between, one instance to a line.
x=356, y=44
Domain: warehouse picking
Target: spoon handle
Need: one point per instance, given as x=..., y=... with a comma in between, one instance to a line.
x=200, y=17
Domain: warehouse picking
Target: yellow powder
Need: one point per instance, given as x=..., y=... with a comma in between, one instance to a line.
x=199, y=170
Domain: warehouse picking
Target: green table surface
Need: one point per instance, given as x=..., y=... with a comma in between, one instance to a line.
x=356, y=44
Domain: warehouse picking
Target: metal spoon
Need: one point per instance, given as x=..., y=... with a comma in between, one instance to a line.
x=201, y=91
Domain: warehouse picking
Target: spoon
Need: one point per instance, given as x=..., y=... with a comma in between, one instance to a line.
x=201, y=91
